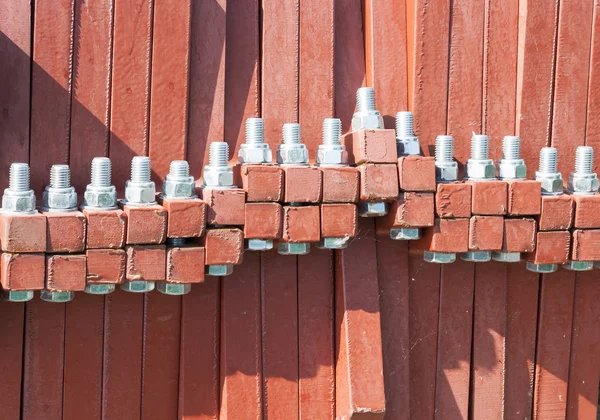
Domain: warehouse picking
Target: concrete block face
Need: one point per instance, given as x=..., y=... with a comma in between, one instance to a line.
x=186, y=217
x=301, y=224
x=303, y=184
x=519, y=235
x=556, y=212
x=489, y=198
x=416, y=173
x=223, y=246
x=146, y=263
x=524, y=198
x=338, y=220
x=22, y=271
x=66, y=232
x=446, y=235
x=263, y=221
x=551, y=248
x=146, y=224
x=262, y=182
x=185, y=264
x=586, y=245
x=105, y=229
x=378, y=182
x=586, y=212
x=486, y=233
x=371, y=146
x=340, y=184
x=106, y=266
x=23, y=233
x=453, y=200
x=65, y=272
x=224, y=207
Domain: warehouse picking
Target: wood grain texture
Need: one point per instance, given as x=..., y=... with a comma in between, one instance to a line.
x=592, y=130
x=13, y=316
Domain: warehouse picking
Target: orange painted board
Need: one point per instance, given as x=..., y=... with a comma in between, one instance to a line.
x=13, y=317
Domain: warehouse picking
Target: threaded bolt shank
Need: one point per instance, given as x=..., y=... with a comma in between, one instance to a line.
x=60, y=176
x=511, y=148
x=219, y=153
x=444, y=148
x=365, y=99
x=140, y=169
x=291, y=133
x=548, y=160
x=179, y=169
x=584, y=160
x=404, y=125
x=479, y=147
x=19, y=177
x=332, y=131
x=176, y=241
x=255, y=132
x=101, y=169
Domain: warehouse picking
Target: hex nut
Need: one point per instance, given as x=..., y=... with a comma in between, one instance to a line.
x=183, y=187
x=372, y=208
x=552, y=184
x=17, y=295
x=100, y=197
x=334, y=243
x=512, y=169
x=219, y=270
x=18, y=202
x=405, y=234
x=541, y=268
x=476, y=256
x=507, y=257
x=446, y=171
x=371, y=120
x=99, y=289
x=138, y=286
x=259, y=244
x=140, y=192
x=255, y=153
x=62, y=199
x=293, y=248
x=480, y=169
x=218, y=177
x=408, y=147
x=332, y=155
x=439, y=257
x=173, y=289
x=578, y=265
x=582, y=184
x=56, y=297
x=297, y=155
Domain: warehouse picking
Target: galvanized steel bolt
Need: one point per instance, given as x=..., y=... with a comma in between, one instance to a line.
x=511, y=166
x=59, y=196
x=366, y=115
x=292, y=151
x=218, y=174
x=583, y=180
x=19, y=197
x=100, y=194
x=480, y=167
x=140, y=189
x=178, y=183
x=255, y=150
x=406, y=141
x=548, y=175
x=446, y=169
x=332, y=152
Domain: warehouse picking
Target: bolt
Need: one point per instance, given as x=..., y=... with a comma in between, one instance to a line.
x=365, y=99
x=439, y=257
x=584, y=160
x=255, y=131
x=372, y=208
x=511, y=166
x=173, y=289
x=292, y=151
x=541, y=268
x=292, y=248
x=19, y=177
x=446, y=169
x=101, y=169
x=548, y=175
x=405, y=234
x=406, y=141
x=507, y=257
x=19, y=197
x=578, y=265
x=476, y=256
x=140, y=190
x=60, y=176
x=218, y=174
x=259, y=244
x=17, y=295
x=99, y=289
x=334, y=243
x=56, y=297
x=480, y=167
x=178, y=183
x=255, y=150
x=366, y=116
x=583, y=180
x=140, y=169
x=176, y=242
x=138, y=286
x=219, y=270
x=100, y=194
x=59, y=196
x=332, y=152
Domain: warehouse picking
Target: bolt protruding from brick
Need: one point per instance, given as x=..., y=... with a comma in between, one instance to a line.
x=479, y=166
x=100, y=194
x=255, y=150
x=366, y=116
x=292, y=151
x=584, y=160
x=332, y=131
x=19, y=177
x=60, y=176
x=176, y=242
x=365, y=99
x=332, y=152
x=511, y=148
x=406, y=141
x=140, y=169
x=511, y=166
x=548, y=160
x=218, y=173
x=178, y=183
x=255, y=132
x=479, y=147
x=446, y=169
x=179, y=169
x=218, y=154
x=140, y=190
x=583, y=180
x=548, y=175
x=59, y=196
x=291, y=133
x=19, y=197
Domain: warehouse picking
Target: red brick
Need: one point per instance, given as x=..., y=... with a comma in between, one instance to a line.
x=551, y=248
x=186, y=217
x=65, y=273
x=519, y=235
x=262, y=182
x=263, y=221
x=303, y=184
x=416, y=173
x=105, y=229
x=338, y=220
x=146, y=263
x=66, y=232
x=340, y=184
x=23, y=271
x=412, y=209
x=106, y=266
x=586, y=245
x=145, y=224
x=301, y=224
x=453, y=200
x=371, y=146
x=587, y=214
x=223, y=246
x=486, y=233
x=224, y=207
x=185, y=264
x=446, y=235
x=524, y=198
x=378, y=182
x=556, y=213
x=23, y=233
x=488, y=198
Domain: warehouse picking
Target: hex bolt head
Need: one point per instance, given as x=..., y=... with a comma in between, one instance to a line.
x=583, y=180
x=541, y=268
x=446, y=169
x=218, y=174
x=100, y=194
x=178, y=183
x=511, y=166
x=293, y=248
x=405, y=234
x=140, y=190
x=366, y=116
x=292, y=151
x=59, y=196
x=372, y=208
x=255, y=150
x=138, y=286
x=17, y=295
x=332, y=152
x=476, y=256
x=406, y=141
x=219, y=270
x=479, y=166
x=173, y=289
x=19, y=197
x=578, y=265
x=99, y=289
x=439, y=257
x=259, y=244
x=547, y=174
x=56, y=297
x=507, y=257
x=334, y=243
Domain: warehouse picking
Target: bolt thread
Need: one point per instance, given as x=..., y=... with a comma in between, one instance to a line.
x=176, y=241
x=140, y=169
x=60, y=176
x=179, y=169
x=19, y=177
x=511, y=148
x=101, y=172
x=291, y=133
x=255, y=132
x=219, y=153
x=404, y=125
x=332, y=131
x=479, y=147
x=584, y=160
x=365, y=99
x=444, y=148
x=548, y=160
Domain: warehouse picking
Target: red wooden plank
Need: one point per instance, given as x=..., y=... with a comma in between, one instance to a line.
x=315, y=336
x=584, y=371
x=454, y=340
x=199, y=360
x=43, y=360
x=169, y=87
x=130, y=87
x=592, y=132
x=241, y=361
x=92, y=55
x=13, y=316
x=207, y=81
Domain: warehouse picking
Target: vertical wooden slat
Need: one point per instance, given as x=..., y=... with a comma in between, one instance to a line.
x=11, y=364
x=592, y=132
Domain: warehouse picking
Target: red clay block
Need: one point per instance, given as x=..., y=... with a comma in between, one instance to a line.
x=416, y=173
x=66, y=232
x=586, y=245
x=551, y=248
x=301, y=224
x=263, y=221
x=105, y=229
x=446, y=235
x=338, y=220
x=488, y=197
x=65, y=273
x=519, y=235
x=23, y=271
x=486, y=233
x=262, y=182
x=185, y=264
x=340, y=184
x=223, y=246
x=186, y=217
x=587, y=214
x=556, y=213
x=378, y=182
x=145, y=224
x=23, y=233
x=303, y=184
x=453, y=200
x=146, y=263
x=224, y=207
x=412, y=209
x=371, y=146
x=524, y=197
x=106, y=266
